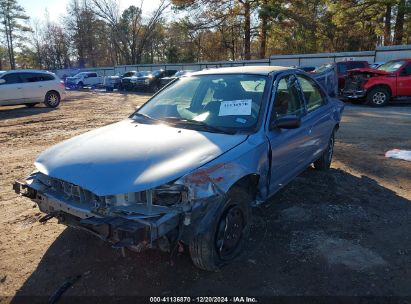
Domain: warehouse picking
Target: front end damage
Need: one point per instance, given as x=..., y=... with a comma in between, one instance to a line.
x=356, y=80
x=155, y=218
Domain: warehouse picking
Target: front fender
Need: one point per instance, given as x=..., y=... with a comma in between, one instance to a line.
x=218, y=176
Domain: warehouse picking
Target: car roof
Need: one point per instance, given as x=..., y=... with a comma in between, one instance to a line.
x=28, y=71
x=258, y=69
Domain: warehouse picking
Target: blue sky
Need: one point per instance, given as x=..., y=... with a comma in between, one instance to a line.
x=36, y=8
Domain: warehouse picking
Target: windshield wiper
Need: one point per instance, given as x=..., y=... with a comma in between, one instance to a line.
x=184, y=121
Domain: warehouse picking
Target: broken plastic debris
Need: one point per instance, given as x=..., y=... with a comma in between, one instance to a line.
x=399, y=154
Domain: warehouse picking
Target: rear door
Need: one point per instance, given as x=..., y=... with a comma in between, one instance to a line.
x=11, y=92
x=288, y=147
x=318, y=117
x=404, y=81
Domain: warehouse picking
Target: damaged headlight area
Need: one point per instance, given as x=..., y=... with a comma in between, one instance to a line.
x=166, y=195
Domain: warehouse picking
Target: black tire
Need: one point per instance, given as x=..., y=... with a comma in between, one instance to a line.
x=378, y=97
x=30, y=105
x=227, y=234
x=52, y=99
x=155, y=87
x=109, y=89
x=324, y=162
x=80, y=85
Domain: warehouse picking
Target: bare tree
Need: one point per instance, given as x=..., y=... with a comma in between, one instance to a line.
x=11, y=15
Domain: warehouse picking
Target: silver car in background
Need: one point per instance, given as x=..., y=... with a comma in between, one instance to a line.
x=30, y=87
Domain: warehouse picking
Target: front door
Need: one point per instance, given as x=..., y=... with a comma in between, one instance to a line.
x=404, y=81
x=288, y=146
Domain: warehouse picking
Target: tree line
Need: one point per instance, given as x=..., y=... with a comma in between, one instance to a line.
x=97, y=33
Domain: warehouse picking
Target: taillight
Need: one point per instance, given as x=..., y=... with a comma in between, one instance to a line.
x=62, y=84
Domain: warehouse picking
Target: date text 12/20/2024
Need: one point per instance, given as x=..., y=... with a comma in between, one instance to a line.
x=203, y=300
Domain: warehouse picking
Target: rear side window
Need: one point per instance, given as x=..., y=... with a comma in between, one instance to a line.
x=312, y=93
x=356, y=65
x=92, y=74
x=35, y=77
x=46, y=77
x=12, y=78
x=342, y=68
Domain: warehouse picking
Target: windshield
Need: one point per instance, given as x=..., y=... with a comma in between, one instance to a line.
x=226, y=101
x=129, y=74
x=143, y=73
x=391, y=66
x=323, y=68
x=181, y=73
x=78, y=75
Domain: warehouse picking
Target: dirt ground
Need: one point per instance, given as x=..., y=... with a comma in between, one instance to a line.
x=341, y=232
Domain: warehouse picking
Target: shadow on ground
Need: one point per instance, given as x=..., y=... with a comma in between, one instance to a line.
x=23, y=111
x=326, y=233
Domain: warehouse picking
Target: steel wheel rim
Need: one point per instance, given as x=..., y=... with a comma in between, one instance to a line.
x=229, y=232
x=379, y=98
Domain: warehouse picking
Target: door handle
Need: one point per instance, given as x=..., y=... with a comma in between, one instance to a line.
x=18, y=88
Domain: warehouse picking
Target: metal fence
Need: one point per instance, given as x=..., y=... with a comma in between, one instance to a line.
x=380, y=54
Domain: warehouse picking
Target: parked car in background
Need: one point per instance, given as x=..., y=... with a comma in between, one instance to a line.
x=378, y=86
x=167, y=79
x=376, y=65
x=83, y=79
x=151, y=81
x=189, y=164
x=342, y=69
x=306, y=68
x=128, y=82
x=30, y=87
x=115, y=82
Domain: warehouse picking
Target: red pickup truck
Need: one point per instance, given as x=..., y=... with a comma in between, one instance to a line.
x=378, y=86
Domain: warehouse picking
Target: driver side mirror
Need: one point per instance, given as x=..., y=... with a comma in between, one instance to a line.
x=287, y=122
x=2, y=81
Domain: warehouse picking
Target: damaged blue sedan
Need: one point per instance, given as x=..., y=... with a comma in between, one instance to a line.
x=187, y=167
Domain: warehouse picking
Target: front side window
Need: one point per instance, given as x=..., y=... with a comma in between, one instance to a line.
x=227, y=101
x=407, y=70
x=12, y=78
x=312, y=93
x=287, y=98
x=92, y=75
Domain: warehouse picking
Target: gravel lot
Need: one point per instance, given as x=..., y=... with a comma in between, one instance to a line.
x=342, y=232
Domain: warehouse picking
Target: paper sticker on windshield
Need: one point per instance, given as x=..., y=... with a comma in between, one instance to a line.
x=235, y=107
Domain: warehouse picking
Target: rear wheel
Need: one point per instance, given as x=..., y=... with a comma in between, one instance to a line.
x=226, y=235
x=378, y=97
x=52, y=99
x=324, y=162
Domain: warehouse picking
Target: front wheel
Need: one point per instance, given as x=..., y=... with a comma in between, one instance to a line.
x=378, y=97
x=52, y=99
x=225, y=238
x=324, y=162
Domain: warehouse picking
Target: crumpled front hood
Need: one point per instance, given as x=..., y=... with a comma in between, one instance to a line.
x=131, y=157
x=368, y=71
